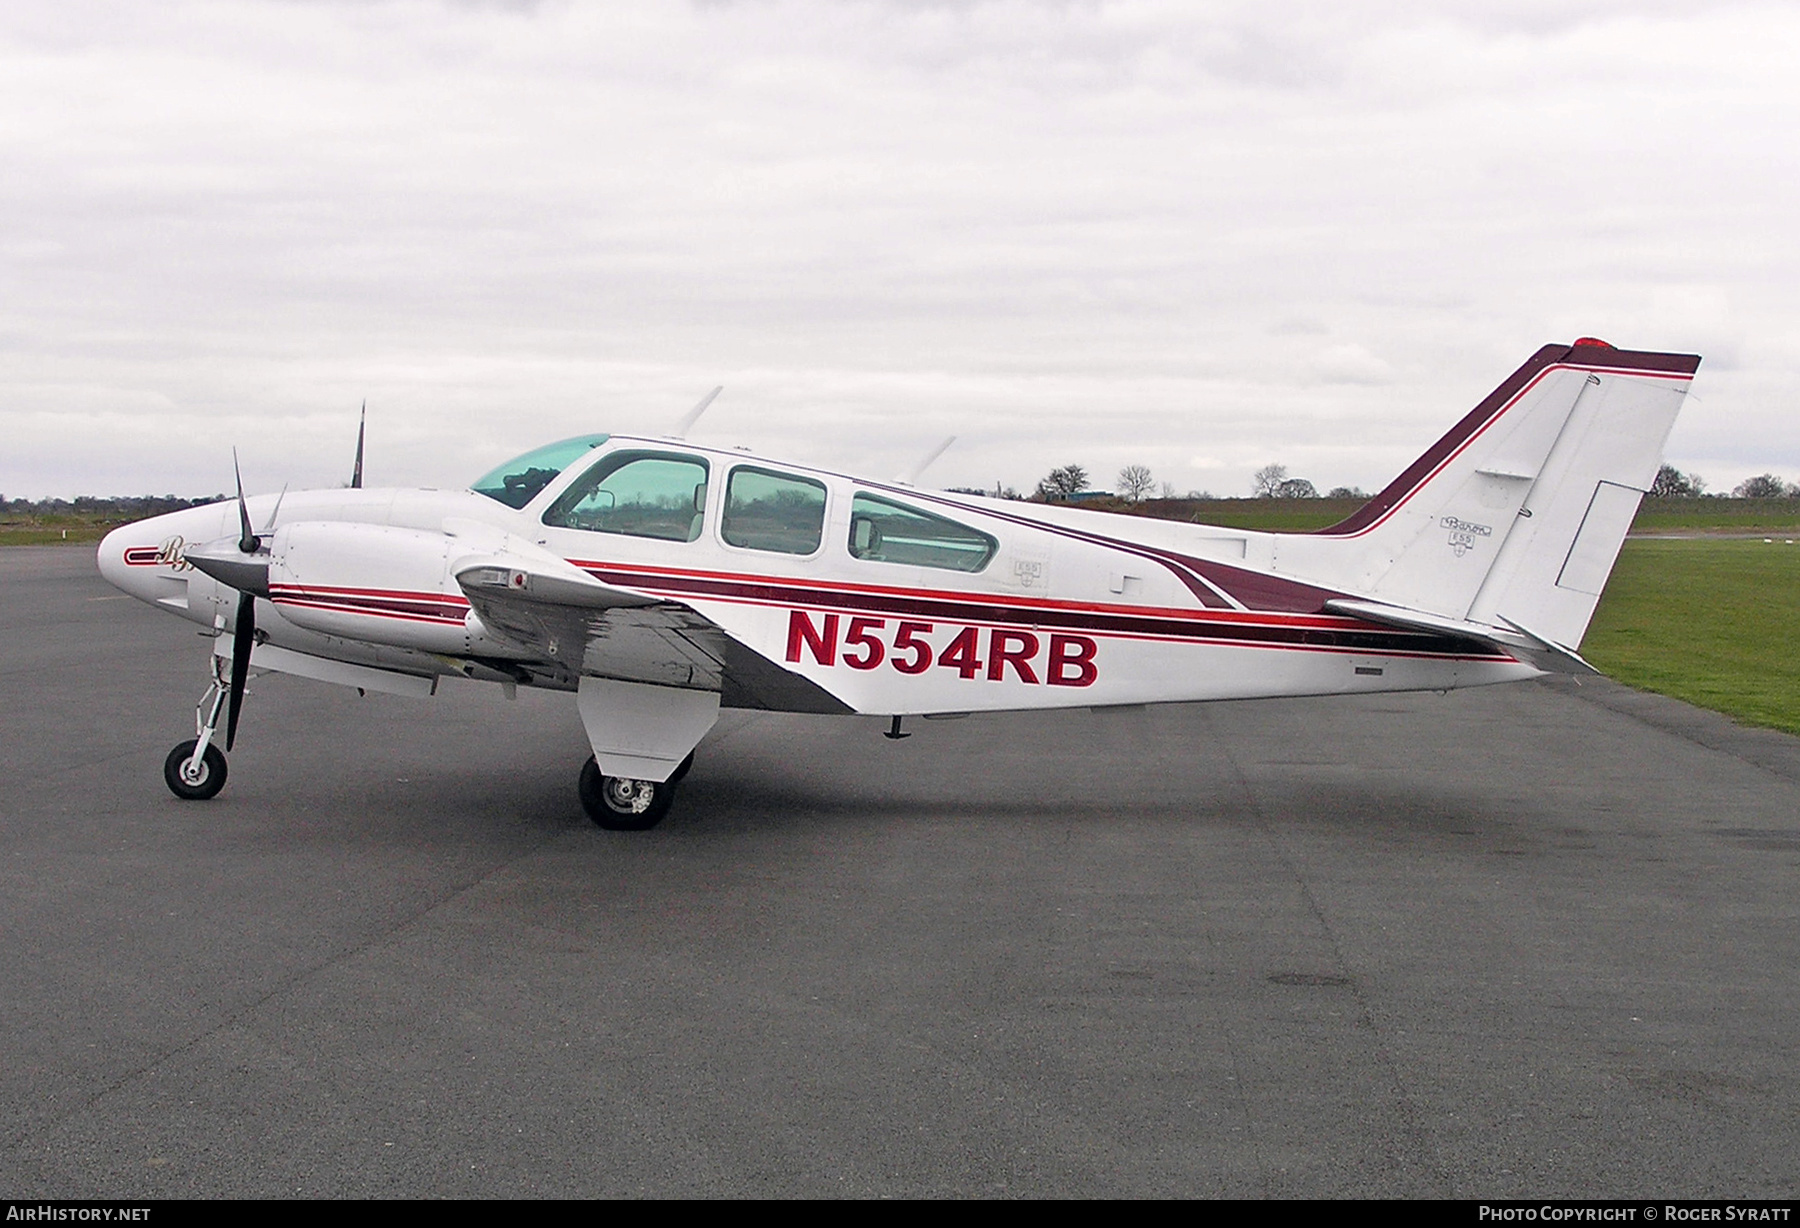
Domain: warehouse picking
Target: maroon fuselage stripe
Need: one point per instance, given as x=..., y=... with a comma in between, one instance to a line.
x=411, y=606
x=1329, y=633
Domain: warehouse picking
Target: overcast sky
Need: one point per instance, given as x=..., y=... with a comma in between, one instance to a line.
x=1200, y=237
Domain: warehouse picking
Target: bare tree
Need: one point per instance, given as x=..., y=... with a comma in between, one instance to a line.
x=1064, y=483
x=1266, y=482
x=1672, y=483
x=1135, y=483
x=1273, y=482
x=1763, y=486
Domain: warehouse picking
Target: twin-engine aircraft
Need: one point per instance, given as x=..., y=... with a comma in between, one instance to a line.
x=660, y=581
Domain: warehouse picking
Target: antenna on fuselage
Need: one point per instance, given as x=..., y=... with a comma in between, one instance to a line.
x=693, y=415
x=361, y=426
x=912, y=475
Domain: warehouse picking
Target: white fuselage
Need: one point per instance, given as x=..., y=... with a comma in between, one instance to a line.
x=1072, y=608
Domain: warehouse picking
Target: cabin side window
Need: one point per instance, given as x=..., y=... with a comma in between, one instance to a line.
x=636, y=494
x=779, y=512
x=884, y=531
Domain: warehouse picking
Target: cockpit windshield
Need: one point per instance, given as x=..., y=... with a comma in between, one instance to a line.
x=519, y=480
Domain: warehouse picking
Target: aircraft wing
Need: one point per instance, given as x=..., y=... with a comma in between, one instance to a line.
x=591, y=627
x=1545, y=653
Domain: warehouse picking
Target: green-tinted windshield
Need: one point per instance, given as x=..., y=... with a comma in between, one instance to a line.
x=519, y=480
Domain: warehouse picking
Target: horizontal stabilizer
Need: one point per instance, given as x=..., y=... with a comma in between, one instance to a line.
x=1546, y=654
x=1571, y=662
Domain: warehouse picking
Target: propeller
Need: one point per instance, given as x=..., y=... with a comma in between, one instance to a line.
x=243, y=635
x=361, y=426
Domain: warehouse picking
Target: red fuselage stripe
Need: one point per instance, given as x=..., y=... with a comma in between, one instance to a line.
x=1303, y=632
x=1326, y=633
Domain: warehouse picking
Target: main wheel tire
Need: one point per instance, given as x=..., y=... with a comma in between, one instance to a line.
x=205, y=783
x=618, y=804
x=686, y=765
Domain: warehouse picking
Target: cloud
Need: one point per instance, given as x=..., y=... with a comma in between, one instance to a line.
x=1350, y=364
x=1058, y=230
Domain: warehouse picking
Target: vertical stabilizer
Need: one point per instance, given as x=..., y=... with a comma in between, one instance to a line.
x=1517, y=514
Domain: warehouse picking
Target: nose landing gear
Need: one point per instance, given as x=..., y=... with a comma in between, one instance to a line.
x=195, y=769
x=194, y=777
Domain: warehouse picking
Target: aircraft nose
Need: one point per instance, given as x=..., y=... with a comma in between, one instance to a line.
x=130, y=558
x=146, y=559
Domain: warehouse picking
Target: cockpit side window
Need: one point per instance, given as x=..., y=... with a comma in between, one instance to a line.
x=519, y=480
x=636, y=494
x=884, y=531
x=779, y=512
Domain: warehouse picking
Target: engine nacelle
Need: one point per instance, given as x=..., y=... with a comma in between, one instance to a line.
x=371, y=582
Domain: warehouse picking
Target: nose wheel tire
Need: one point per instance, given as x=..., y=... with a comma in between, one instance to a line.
x=206, y=778
x=619, y=804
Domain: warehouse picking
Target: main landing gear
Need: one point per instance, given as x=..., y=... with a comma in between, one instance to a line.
x=195, y=769
x=619, y=804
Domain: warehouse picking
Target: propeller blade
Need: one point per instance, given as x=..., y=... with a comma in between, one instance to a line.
x=912, y=475
x=247, y=542
x=693, y=415
x=270, y=527
x=361, y=426
x=243, y=639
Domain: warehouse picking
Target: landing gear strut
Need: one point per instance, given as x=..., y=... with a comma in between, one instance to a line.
x=195, y=769
x=618, y=804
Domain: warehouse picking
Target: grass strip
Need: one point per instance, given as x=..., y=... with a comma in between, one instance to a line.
x=1713, y=623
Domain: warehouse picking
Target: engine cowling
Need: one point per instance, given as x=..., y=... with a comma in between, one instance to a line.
x=371, y=582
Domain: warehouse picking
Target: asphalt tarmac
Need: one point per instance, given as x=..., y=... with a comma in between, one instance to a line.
x=1531, y=941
